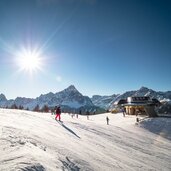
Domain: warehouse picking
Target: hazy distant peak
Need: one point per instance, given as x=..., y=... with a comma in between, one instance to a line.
x=143, y=88
x=23, y=98
x=2, y=97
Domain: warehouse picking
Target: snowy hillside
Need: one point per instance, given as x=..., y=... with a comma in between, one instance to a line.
x=35, y=141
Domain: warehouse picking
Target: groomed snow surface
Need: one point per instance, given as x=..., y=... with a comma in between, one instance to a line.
x=36, y=141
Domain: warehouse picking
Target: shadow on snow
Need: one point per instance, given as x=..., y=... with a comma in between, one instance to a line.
x=68, y=129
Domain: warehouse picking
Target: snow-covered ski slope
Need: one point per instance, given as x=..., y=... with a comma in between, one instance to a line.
x=35, y=141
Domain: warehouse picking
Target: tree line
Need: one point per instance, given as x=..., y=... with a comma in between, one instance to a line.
x=37, y=108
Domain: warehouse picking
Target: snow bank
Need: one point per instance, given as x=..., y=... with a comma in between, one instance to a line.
x=160, y=126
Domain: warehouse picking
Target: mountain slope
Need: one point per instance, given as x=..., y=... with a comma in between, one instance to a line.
x=35, y=141
x=103, y=101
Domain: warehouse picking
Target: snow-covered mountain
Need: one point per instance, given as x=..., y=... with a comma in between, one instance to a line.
x=108, y=102
x=144, y=91
x=103, y=101
x=73, y=98
x=2, y=97
x=3, y=100
x=22, y=101
x=70, y=98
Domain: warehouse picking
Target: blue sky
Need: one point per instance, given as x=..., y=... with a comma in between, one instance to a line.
x=100, y=46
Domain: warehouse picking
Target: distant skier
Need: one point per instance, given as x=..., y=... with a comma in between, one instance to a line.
x=107, y=120
x=123, y=110
x=136, y=112
x=58, y=113
x=87, y=113
x=80, y=112
x=53, y=111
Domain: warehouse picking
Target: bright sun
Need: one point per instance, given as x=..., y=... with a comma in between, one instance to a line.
x=29, y=60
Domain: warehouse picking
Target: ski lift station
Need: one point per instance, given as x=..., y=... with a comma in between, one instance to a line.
x=139, y=105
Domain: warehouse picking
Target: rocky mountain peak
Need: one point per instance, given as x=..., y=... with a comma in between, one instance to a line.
x=71, y=88
x=2, y=97
x=143, y=88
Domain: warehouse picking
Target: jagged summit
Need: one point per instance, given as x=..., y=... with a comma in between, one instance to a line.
x=71, y=88
x=143, y=88
x=2, y=97
x=73, y=98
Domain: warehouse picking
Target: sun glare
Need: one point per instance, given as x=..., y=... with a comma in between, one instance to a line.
x=29, y=60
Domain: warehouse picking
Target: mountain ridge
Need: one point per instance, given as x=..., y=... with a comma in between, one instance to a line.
x=71, y=98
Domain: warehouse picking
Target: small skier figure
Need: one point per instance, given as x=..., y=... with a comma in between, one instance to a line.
x=87, y=113
x=123, y=110
x=80, y=112
x=58, y=113
x=136, y=112
x=107, y=120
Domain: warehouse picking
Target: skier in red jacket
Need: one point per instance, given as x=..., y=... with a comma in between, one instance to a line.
x=58, y=113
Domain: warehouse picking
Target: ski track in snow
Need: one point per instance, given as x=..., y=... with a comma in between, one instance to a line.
x=36, y=141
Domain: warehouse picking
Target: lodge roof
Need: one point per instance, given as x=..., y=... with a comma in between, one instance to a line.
x=140, y=101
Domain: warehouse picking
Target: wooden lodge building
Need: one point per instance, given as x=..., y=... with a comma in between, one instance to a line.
x=139, y=106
